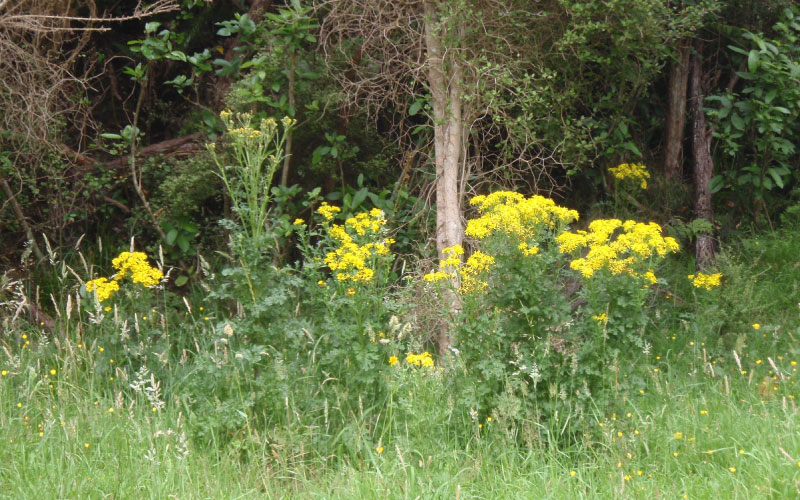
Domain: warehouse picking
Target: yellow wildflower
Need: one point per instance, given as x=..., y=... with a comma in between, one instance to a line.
x=424, y=359
x=707, y=281
x=105, y=289
x=328, y=211
x=633, y=171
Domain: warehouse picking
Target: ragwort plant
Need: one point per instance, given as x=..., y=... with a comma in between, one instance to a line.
x=352, y=262
x=550, y=315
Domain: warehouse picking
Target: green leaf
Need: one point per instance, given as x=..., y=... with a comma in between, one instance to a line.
x=414, y=108
x=113, y=137
x=775, y=174
x=716, y=184
x=171, y=235
x=737, y=121
x=358, y=198
x=752, y=61
x=183, y=243
x=181, y=280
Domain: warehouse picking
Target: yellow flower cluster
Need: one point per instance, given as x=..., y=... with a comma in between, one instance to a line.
x=105, y=289
x=707, y=281
x=364, y=222
x=470, y=272
x=636, y=243
x=350, y=260
x=246, y=132
x=127, y=263
x=515, y=215
x=448, y=265
x=424, y=359
x=328, y=211
x=477, y=264
x=634, y=171
x=135, y=264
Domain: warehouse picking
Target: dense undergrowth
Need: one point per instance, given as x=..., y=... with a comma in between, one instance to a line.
x=315, y=379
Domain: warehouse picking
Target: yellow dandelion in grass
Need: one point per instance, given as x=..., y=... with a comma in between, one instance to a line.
x=379, y=450
x=393, y=360
x=703, y=412
x=678, y=435
x=111, y=410
x=4, y=373
x=19, y=405
x=710, y=452
x=756, y=326
x=86, y=446
x=107, y=308
x=732, y=469
x=52, y=371
x=572, y=473
x=675, y=454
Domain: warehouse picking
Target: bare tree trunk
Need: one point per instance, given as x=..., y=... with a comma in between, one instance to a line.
x=445, y=80
x=703, y=163
x=676, y=113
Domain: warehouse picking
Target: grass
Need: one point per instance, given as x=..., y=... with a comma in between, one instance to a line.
x=709, y=423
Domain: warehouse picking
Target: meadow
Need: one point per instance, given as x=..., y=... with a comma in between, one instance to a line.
x=153, y=394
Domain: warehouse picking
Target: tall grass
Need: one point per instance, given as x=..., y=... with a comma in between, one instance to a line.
x=717, y=415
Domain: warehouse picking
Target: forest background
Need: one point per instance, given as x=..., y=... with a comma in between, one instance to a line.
x=413, y=248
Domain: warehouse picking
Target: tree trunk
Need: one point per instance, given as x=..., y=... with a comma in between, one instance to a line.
x=676, y=113
x=703, y=163
x=445, y=81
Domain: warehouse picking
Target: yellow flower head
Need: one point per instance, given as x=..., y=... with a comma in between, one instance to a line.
x=631, y=171
x=707, y=281
x=424, y=359
x=105, y=289
x=135, y=264
x=328, y=211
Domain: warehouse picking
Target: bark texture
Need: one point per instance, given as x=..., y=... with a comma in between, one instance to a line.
x=703, y=163
x=445, y=81
x=676, y=113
